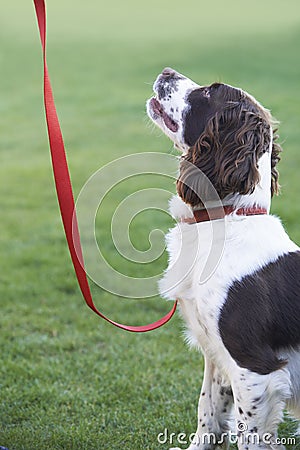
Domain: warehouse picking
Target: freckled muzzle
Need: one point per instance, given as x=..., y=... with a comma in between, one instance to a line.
x=165, y=85
x=169, y=105
x=157, y=111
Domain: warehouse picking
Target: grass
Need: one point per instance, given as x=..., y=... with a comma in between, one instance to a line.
x=67, y=379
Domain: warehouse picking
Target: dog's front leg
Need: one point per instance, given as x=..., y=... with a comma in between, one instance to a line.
x=214, y=412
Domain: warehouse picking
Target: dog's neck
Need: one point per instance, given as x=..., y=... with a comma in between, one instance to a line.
x=260, y=197
x=262, y=192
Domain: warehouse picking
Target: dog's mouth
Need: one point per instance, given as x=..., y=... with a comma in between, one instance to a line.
x=158, y=111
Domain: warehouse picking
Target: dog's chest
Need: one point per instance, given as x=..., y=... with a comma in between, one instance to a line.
x=197, y=280
x=201, y=314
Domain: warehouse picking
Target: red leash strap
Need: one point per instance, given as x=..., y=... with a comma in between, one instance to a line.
x=65, y=192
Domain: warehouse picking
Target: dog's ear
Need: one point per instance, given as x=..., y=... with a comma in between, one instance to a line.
x=275, y=158
x=227, y=152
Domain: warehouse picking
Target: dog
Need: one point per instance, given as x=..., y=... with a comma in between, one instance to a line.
x=244, y=314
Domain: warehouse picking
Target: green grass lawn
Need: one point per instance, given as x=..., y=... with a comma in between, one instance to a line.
x=67, y=379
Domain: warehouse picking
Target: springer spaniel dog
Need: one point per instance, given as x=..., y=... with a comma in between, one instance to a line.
x=244, y=312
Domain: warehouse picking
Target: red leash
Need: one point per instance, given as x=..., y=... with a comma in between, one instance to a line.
x=65, y=192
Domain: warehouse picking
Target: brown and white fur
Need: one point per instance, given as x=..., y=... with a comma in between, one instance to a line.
x=244, y=316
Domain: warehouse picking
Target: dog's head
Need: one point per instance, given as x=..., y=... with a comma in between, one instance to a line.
x=220, y=129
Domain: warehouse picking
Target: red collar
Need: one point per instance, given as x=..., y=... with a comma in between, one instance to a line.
x=205, y=215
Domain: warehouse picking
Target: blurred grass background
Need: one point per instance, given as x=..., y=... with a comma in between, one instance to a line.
x=67, y=379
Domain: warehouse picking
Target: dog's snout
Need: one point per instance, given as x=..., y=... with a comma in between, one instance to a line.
x=166, y=82
x=168, y=72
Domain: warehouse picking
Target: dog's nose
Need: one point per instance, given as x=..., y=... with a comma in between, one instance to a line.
x=168, y=72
